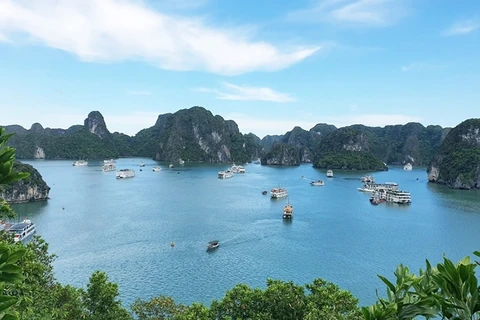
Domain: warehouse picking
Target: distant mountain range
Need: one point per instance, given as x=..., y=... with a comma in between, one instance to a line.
x=196, y=134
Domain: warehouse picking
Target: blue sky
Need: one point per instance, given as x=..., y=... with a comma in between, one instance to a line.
x=269, y=65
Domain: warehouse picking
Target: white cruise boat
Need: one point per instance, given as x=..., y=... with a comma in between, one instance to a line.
x=368, y=179
x=372, y=187
x=317, y=183
x=397, y=196
x=109, y=167
x=142, y=164
x=408, y=167
x=156, y=169
x=225, y=174
x=110, y=161
x=329, y=173
x=276, y=193
x=22, y=230
x=125, y=173
x=241, y=169
x=171, y=165
x=79, y=163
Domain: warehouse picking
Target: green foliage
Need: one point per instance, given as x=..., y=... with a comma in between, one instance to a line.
x=283, y=154
x=7, y=158
x=350, y=160
x=449, y=291
x=280, y=300
x=10, y=274
x=101, y=301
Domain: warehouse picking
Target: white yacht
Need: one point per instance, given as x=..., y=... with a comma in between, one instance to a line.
x=22, y=230
x=80, y=163
x=317, y=183
x=125, y=173
x=171, y=165
x=109, y=167
x=182, y=162
x=408, y=166
x=276, y=193
x=110, y=161
x=397, y=196
x=329, y=173
x=142, y=164
x=225, y=174
x=241, y=169
x=156, y=169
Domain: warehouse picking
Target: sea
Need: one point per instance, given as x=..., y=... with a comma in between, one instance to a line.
x=125, y=227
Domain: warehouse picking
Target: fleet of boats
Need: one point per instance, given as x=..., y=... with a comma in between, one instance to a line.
x=125, y=173
x=21, y=231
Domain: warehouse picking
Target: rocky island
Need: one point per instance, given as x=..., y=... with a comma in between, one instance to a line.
x=33, y=188
x=457, y=163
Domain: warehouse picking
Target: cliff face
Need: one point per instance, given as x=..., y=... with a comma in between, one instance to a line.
x=33, y=188
x=457, y=163
x=90, y=141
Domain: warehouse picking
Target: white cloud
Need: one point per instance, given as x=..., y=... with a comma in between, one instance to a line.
x=117, y=30
x=353, y=107
x=377, y=13
x=3, y=38
x=247, y=93
x=462, y=27
x=421, y=65
x=139, y=93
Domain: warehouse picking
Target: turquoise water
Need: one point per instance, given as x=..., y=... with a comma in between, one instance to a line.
x=124, y=227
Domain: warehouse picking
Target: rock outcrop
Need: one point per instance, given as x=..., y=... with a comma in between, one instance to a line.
x=457, y=163
x=32, y=188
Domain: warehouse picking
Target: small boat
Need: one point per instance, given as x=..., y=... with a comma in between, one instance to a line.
x=171, y=165
x=264, y=192
x=80, y=163
x=329, y=174
x=241, y=169
x=109, y=167
x=172, y=244
x=22, y=230
x=181, y=161
x=368, y=179
x=156, y=169
x=142, y=164
x=110, y=161
x=408, y=167
x=225, y=174
x=125, y=173
x=317, y=183
x=212, y=245
x=288, y=211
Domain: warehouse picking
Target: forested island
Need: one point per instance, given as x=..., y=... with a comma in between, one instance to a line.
x=196, y=134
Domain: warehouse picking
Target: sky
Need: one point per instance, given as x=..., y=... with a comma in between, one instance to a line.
x=269, y=65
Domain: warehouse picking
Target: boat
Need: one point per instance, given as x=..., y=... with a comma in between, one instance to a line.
x=156, y=169
x=408, y=167
x=80, y=163
x=22, y=230
x=110, y=161
x=376, y=200
x=317, y=183
x=181, y=161
x=264, y=192
x=225, y=174
x=368, y=179
x=142, y=164
x=212, y=245
x=256, y=161
x=276, y=193
x=398, y=196
x=241, y=169
x=288, y=211
x=109, y=167
x=329, y=174
x=125, y=173
x=372, y=187
x=171, y=165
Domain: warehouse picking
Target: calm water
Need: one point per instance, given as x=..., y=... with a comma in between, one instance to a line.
x=124, y=227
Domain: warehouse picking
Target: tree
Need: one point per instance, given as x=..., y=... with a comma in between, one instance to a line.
x=100, y=299
x=447, y=291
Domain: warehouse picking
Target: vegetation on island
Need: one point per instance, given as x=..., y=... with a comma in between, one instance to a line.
x=29, y=290
x=350, y=160
x=457, y=162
